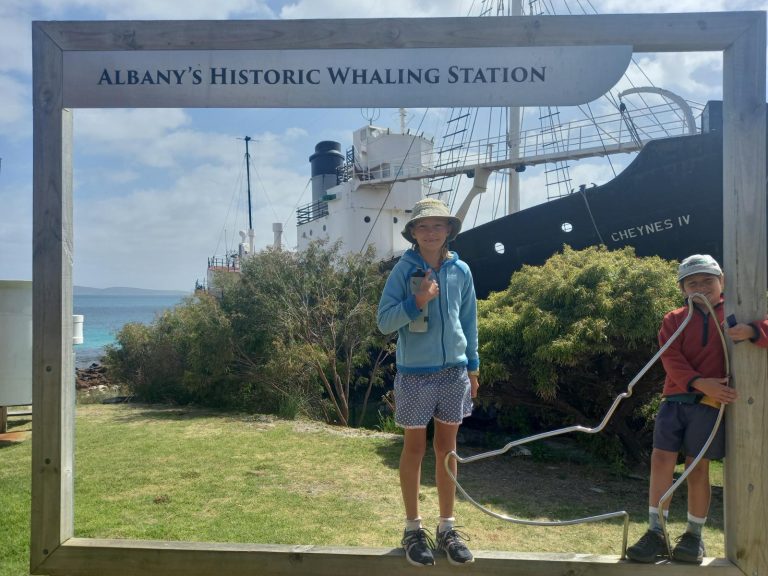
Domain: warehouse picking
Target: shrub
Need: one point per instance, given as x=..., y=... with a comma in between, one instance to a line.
x=565, y=338
x=184, y=356
x=304, y=323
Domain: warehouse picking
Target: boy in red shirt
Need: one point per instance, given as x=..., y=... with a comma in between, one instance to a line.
x=694, y=388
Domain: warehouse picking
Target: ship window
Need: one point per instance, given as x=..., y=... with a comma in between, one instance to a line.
x=394, y=219
x=310, y=232
x=367, y=219
x=323, y=227
x=566, y=227
x=499, y=247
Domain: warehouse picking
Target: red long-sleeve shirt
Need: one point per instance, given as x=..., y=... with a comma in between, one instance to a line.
x=698, y=351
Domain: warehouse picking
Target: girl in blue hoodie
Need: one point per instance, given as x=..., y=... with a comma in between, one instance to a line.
x=429, y=299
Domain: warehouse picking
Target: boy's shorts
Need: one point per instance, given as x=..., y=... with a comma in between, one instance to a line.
x=686, y=427
x=445, y=396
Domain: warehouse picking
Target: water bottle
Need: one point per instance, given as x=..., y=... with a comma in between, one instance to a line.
x=421, y=322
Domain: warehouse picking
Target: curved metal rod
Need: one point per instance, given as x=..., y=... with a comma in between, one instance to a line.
x=668, y=494
x=594, y=430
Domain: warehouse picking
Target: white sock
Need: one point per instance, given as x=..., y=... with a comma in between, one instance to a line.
x=653, y=519
x=446, y=524
x=414, y=524
x=695, y=524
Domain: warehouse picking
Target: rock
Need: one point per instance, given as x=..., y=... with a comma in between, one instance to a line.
x=93, y=376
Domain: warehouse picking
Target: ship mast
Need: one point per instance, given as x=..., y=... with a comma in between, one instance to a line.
x=248, y=180
x=513, y=139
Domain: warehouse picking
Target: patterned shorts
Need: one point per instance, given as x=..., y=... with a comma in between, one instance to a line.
x=445, y=396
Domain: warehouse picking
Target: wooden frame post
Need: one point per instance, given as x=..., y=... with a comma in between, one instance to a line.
x=744, y=249
x=53, y=387
x=741, y=36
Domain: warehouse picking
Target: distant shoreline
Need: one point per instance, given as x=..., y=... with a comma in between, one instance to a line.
x=125, y=291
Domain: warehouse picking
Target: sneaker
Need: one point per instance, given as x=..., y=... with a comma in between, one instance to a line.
x=452, y=543
x=418, y=547
x=689, y=548
x=650, y=546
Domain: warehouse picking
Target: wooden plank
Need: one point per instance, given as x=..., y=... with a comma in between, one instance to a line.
x=744, y=228
x=646, y=32
x=3, y=419
x=130, y=557
x=52, y=370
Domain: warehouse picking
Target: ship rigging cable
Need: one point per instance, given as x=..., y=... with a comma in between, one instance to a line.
x=622, y=513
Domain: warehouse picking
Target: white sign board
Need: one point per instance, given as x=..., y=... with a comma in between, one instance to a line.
x=387, y=78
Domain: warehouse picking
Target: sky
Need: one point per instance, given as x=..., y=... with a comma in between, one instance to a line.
x=159, y=191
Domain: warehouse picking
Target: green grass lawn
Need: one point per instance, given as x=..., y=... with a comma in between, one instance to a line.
x=149, y=472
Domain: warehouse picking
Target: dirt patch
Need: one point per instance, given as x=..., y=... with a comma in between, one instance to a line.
x=13, y=437
x=310, y=426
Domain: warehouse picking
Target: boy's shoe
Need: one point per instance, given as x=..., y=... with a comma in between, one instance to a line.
x=452, y=543
x=418, y=547
x=650, y=546
x=689, y=548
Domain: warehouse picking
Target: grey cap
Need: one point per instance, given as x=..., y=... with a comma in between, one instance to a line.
x=431, y=208
x=698, y=264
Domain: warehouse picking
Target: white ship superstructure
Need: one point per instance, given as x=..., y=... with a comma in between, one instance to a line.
x=357, y=199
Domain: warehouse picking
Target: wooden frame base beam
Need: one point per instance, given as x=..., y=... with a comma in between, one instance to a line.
x=93, y=557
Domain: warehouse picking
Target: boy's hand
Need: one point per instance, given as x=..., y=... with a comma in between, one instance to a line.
x=740, y=332
x=428, y=290
x=716, y=388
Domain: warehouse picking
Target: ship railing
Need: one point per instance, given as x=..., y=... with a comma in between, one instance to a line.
x=224, y=263
x=311, y=212
x=604, y=135
x=395, y=169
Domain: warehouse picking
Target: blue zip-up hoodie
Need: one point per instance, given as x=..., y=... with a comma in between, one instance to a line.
x=451, y=339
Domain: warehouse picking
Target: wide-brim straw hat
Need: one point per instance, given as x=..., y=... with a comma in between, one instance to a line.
x=431, y=208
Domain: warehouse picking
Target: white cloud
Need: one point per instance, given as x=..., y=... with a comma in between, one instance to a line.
x=15, y=37
x=15, y=230
x=663, y=6
x=162, y=237
x=15, y=105
x=373, y=9
x=160, y=234
x=694, y=75
x=159, y=10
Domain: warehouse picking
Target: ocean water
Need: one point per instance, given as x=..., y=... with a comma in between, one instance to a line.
x=105, y=315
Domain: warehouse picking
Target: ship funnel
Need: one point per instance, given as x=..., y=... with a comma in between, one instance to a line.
x=326, y=159
x=277, y=230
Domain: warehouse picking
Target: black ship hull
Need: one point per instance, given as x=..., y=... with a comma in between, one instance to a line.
x=667, y=202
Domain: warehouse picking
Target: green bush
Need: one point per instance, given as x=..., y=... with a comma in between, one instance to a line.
x=305, y=324
x=564, y=339
x=184, y=356
x=294, y=333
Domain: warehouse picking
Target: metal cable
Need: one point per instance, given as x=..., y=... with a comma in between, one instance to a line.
x=668, y=494
x=622, y=513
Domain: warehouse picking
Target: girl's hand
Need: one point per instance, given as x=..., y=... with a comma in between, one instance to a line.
x=716, y=388
x=475, y=384
x=429, y=289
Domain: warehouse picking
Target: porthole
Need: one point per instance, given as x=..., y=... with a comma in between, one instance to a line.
x=394, y=219
x=566, y=227
x=367, y=219
x=499, y=247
